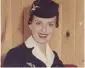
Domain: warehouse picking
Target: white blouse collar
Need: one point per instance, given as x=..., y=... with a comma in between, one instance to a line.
x=48, y=59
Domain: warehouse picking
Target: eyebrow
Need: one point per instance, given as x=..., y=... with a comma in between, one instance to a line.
x=51, y=22
x=48, y=21
x=37, y=20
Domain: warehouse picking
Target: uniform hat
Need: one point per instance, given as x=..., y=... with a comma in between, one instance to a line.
x=44, y=8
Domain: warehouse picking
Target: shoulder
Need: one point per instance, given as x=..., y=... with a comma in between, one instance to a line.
x=56, y=54
x=13, y=56
x=16, y=56
x=17, y=49
x=57, y=60
x=16, y=52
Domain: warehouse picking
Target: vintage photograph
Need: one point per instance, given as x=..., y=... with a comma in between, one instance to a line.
x=42, y=33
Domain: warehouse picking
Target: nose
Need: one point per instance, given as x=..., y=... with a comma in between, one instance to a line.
x=44, y=29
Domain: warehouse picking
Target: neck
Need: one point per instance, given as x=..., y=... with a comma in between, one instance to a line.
x=42, y=47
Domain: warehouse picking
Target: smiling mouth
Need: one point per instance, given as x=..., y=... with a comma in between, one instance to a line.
x=42, y=35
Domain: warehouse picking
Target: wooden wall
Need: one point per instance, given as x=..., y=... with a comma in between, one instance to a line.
x=73, y=22
x=15, y=14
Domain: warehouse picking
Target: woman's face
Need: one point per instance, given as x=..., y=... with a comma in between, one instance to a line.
x=42, y=28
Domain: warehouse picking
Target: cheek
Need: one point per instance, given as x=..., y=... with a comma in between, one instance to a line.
x=50, y=30
x=35, y=29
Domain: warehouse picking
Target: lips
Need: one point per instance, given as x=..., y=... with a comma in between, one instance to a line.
x=42, y=35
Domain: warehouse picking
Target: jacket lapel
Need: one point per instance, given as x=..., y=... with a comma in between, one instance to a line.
x=48, y=59
x=50, y=55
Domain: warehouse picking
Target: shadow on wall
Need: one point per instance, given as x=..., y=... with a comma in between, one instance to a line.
x=26, y=29
x=22, y=33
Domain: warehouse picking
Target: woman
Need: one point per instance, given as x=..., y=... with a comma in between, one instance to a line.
x=35, y=52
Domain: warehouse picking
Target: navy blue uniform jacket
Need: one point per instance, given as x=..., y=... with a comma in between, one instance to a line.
x=22, y=56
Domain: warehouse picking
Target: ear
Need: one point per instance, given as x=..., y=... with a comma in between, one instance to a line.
x=30, y=26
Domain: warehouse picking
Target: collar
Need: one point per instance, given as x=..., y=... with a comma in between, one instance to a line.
x=48, y=59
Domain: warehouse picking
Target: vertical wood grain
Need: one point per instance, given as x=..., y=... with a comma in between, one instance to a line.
x=26, y=5
x=68, y=25
x=79, y=31
x=7, y=42
x=17, y=21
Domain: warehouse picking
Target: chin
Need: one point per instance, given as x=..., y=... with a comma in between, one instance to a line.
x=42, y=42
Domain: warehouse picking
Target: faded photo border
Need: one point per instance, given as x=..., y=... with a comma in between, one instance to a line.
x=41, y=67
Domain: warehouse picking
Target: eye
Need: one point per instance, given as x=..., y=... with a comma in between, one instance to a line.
x=38, y=23
x=51, y=24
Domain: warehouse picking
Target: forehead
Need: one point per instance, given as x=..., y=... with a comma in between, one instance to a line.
x=44, y=19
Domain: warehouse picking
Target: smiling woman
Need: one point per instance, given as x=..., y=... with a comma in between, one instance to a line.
x=35, y=51
x=42, y=28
